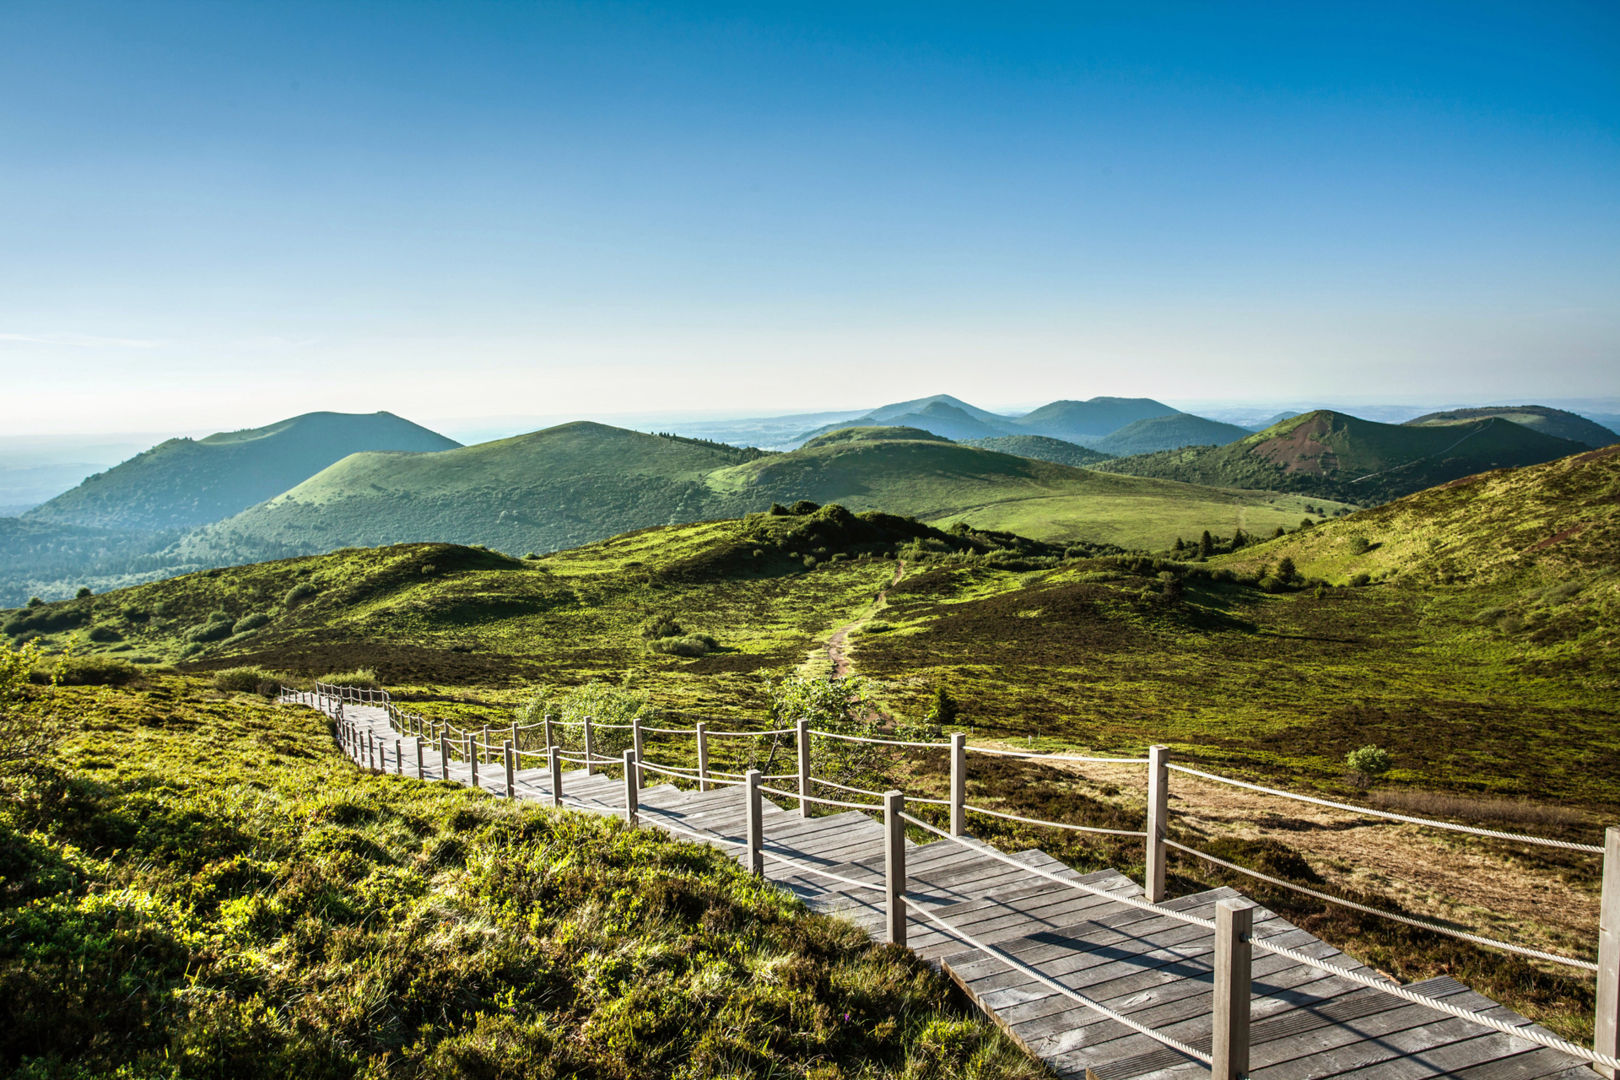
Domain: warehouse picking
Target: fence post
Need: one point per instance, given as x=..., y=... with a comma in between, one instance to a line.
x=1158, y=797
x=511, y=771
x=399, y=757
x=1606, y=1029
x=958, y=784
x=703, y=755
x=756, y=822
x=516, y=742
x=590, y=750
x=472, y=759
x=371, y=750
x=554, y=761
x=419, y=774
x=444, y=756
x=1234, y=923
x=894, y=866
x=632, y=793
x=635, y=737
x=804, y=765
x=546, y=727
x=483, y=745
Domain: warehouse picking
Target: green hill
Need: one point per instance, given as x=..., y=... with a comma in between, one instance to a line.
x=1343, y=457
x=871, y=434
x=53, y=561
x=1085, y=420
x=941, y=415
x=184, y=483
x=1168, y=433
x=1549, y=421
x=1041, y=448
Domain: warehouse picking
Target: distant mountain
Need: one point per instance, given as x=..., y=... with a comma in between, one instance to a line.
x=941, y=414
x=1168, y=433
x=183, y=483
x=1075, y=421
x=872, y=434
x=1342, y=457
x=1041, y=448
x=1548, y=421
x=580, y=482
x=53, y=561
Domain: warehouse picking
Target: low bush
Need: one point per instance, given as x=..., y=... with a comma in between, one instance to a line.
x=213, y=630
x=87, y=671
x=661, y=626
x=363, y=678
x=299, y=594
x=686, y=645
x=250, y=622
x=104, y=633
x=246, y=680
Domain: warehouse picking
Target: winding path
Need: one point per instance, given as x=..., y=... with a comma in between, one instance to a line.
x=838, y=641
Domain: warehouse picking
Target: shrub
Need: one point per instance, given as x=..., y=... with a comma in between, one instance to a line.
x=803, y=507
x=603, y=702
x=1272, y=584
x=686, y=645
x=942, y=710
x=245, y=680
x=251, y=621
x=213, y=630
x=661, y=626
x=1360, y=545
x=1285, y=569
x=104, y=634
x=298, y=594
x=28, y=729
x=84, y=593
x=877, y=626
x=362, y=678
x=87, y=671
x=1358, y=580
x=34, y=601
x=1366, y=764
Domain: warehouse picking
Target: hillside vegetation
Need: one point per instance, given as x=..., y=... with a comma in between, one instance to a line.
x=183, y=483
x=1168, y=433
x=1555, y=422
x=1081, y=421
x=1342, y=457
x=199, y=885
x=1041, y=448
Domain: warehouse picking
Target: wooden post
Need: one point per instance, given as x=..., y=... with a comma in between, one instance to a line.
x=1234, y=923
x=511, y=771
x=632, y=794
x=958, y=784
x=545, y=726
x=371, y=750
x=804, y=765
x=515, y=740
x=635, y=737
x=590, y=750
x=1158, y=808
x=703, y=755
x=756, y=822
x=483, y=745
x=554, y=760
x=472, y=759
x=894, y=866
x=444, y=756
x=1606, y=1027
x=419, y=773
x=399, y=757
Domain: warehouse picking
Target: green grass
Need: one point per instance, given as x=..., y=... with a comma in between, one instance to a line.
x=198, y=885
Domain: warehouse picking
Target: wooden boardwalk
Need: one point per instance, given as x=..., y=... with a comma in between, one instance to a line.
x=1155, y=969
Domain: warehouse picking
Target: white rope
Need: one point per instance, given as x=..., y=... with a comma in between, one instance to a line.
x=750, y=734
x=1422, y=924
x=846, y=787
x=1527, y=1033
x=1053, y=824
x=1591, y=849
x=804, y=868
x=1033, y=755
x=1128, y=900
x=668, y=731
x=883, y=742
x=1045, y=980
x=817, y=799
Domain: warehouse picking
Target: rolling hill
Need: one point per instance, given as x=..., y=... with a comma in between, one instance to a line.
x=1549, y=421
x=184, y=483
x=1342, y=457
x=580, y=482
x=1041, y=448
x=941, y=414
x=1082, y=421
x=1168, y=433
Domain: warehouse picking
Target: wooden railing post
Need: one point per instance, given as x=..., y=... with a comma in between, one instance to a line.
x=554, y=762
x=894, y=866
x=632, y=789
x=703, y=755
x=756, y=821
x=472, y=759
x=371, y=750
x=635, y=737
x=420, y=775
x=958, y=784
x=399, y=757
x=483, y=745
x=444, y=755
x=516, y=742
x=1234, y=924
x=803, y=734
x=511, y=771
x=1158, y=811
x=590, y=750
x=545, y=726
x=1606, y=1026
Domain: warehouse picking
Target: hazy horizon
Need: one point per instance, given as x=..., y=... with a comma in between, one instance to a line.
x=229, y=214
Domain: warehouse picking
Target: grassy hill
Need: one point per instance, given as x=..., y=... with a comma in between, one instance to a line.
x=1077, y=421
x=941, y=415
x=53, y=561
x=581, y=482
x=1168, y=433
x=1041, y=448
x=198, y=884
x=1549, y=421
x=1342, y=457
x=184, y=483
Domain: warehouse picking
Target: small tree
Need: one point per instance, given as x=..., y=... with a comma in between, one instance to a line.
x=1285, y=569
x=1206, y=545
x=838, y=706
x=603, y=702
x=943, y=709
x=84, y=593
x=1367, y=764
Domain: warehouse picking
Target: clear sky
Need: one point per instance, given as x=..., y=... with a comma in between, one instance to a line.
x=217, y=214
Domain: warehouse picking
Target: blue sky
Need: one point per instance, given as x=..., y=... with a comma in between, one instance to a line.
x=217, y=214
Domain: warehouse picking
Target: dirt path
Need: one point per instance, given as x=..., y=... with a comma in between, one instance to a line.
x=838, y=641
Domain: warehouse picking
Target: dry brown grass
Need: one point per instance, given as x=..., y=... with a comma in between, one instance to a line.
x=1513, y=812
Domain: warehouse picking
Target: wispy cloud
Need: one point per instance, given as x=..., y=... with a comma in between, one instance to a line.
x=83, y=341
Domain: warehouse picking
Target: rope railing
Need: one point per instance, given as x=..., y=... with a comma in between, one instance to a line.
x=1049, y=824
x=819, y=800
x=882, y=742
x=1523, y=838
x=1034, y=755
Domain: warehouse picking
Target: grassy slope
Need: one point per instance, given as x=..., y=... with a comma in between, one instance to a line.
x=1041, y=448
x=202, y=886
x=1094, y=418
x=1168, y=433
x=1343, y=457
x=183, y=483
x=1548, y=421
